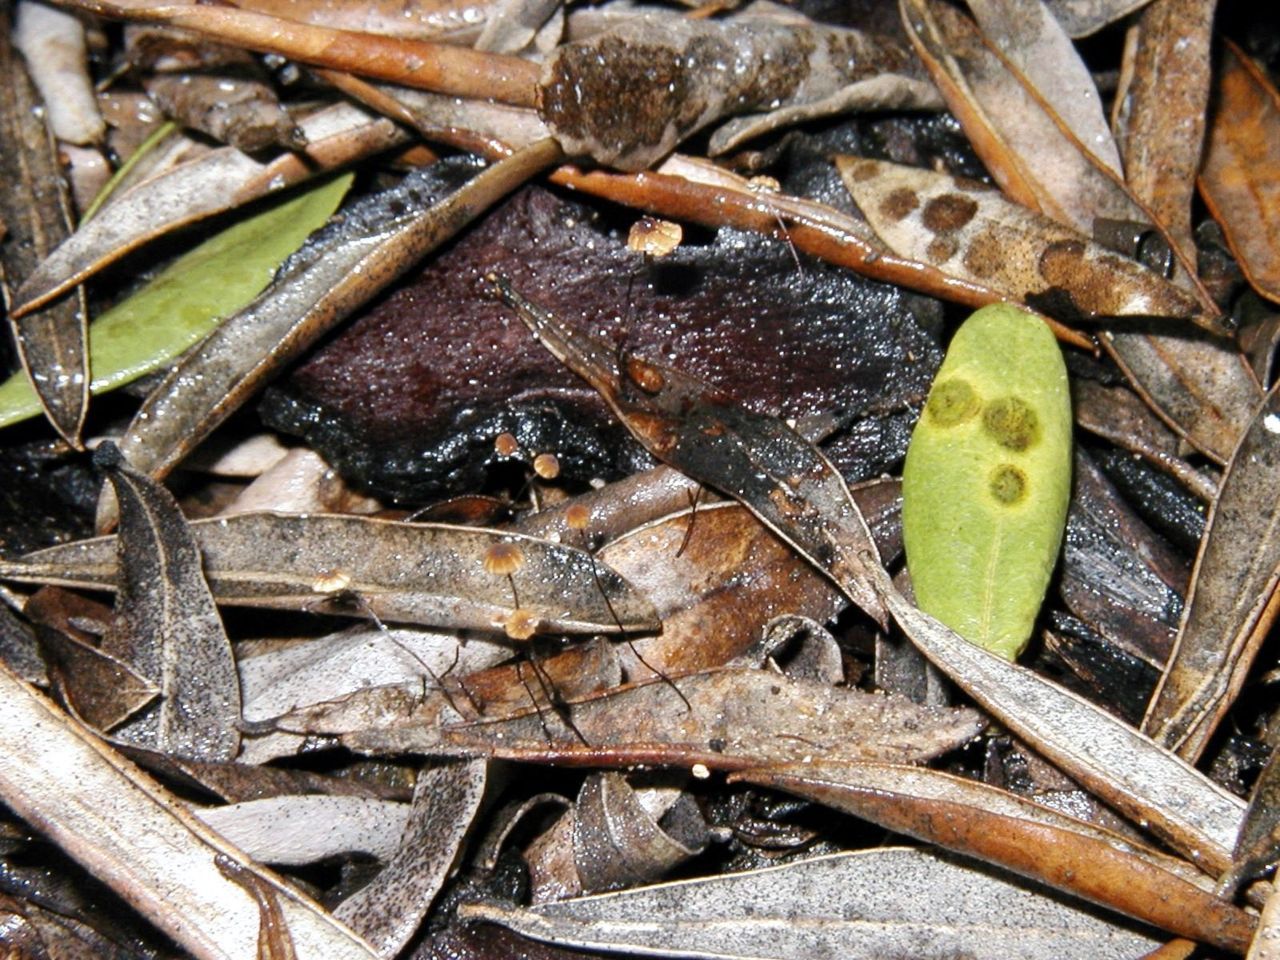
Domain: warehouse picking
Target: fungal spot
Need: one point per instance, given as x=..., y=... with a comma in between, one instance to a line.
x=1060, y=261
x=520, y=624
x=863, y=170
x=1008, y=484
x=952, y=402
x=941, y=249
x=985, y=254
x=654, y=237
x=645, y=375
x=331, y=581
x=505, y=445
x=951, y=211
x=1011, y=423
x=898, y=203
x=503, y=559
x=577, y=517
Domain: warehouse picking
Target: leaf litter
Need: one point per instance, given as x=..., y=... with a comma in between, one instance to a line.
x=724, y=633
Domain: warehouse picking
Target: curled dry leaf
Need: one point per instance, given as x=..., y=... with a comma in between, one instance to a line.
x=1230, y=606
x=389, y=909
x=1240, y=180
x=355, y=566
x=972, y=232
x=53, y=44
x=629, y=95
x=36, y=211
x=167, y=626
x=209, y=184
x=241, y=111
x=1026, y=838
x=861, y=906
x=688, y=423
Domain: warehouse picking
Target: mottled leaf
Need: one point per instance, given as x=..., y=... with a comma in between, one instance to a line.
x=187, y=299
x=167, y=626
x=388, y=910
x=859, y=906
x=1026, y=838
x=355, y=566
x=1229, y=607
x=1240, y=180
x=972, y=232
x=987, y=479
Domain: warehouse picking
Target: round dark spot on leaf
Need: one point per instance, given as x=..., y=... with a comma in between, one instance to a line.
x=942, y=249
x=863, y=170
x=985, y=255
x=1011, y=423
x=898, y=204
x=952, y=402
x=951, y=211
x=1008, y=484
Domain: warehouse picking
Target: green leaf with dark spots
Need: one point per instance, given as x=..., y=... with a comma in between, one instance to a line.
x=988, y=478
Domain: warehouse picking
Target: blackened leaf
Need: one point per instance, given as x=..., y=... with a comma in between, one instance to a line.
x=356, y=566
x=167, y=625
x=390, y=908
x=1029, y=839
x=1229, y=607
x=335, y=273
x=1258, y=846
x=881, y=903
x=700, y=430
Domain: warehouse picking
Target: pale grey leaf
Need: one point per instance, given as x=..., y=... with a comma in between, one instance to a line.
x=304, y=828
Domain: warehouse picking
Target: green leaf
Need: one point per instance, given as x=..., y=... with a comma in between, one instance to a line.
x=190, y=297
x=987, y=479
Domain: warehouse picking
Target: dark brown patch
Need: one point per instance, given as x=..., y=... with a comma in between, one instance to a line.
x=1060, y=261
x=1011, y=423
x=1062, y=266
x=645, y=375
x=1007, y=484
x=951, y=211
x=985, y=255
x=942, y=249
x=898, y=204
x=863, y=171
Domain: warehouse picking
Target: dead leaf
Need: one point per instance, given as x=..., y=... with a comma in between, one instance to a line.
x=1229, y=606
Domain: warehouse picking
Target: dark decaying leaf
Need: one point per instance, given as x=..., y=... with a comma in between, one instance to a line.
x=699, y=429
x=1159, y=115
x=971, y=231
x=1258, y=846
x=1230, y=606
x=388, y=910
x=1240, y=180
x=1106, y=755
x=724, y=719
x=274, y=940
x=36, y=213
x=355, y=566
x=861, y=906
x=102, y=689
x=167, y=626
x=1029, y=839
x=209, y=184
x=629, y=95
x=419, y=422
x=337, y=271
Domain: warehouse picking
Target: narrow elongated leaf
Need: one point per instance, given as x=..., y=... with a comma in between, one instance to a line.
x=861, y=906
x=1150, y=785
x=1229, y=607
x=36, y=212
x=356, y=566
x=1029, y=839
x=121, y=825
x=187, y=300
x=1240, y=180
x=1258, y=846
x=388, y=910
x=211, y=183
x=987, y=479
x=975, y=234
x=319, y=286
x=757, y=459
x=167, y=625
